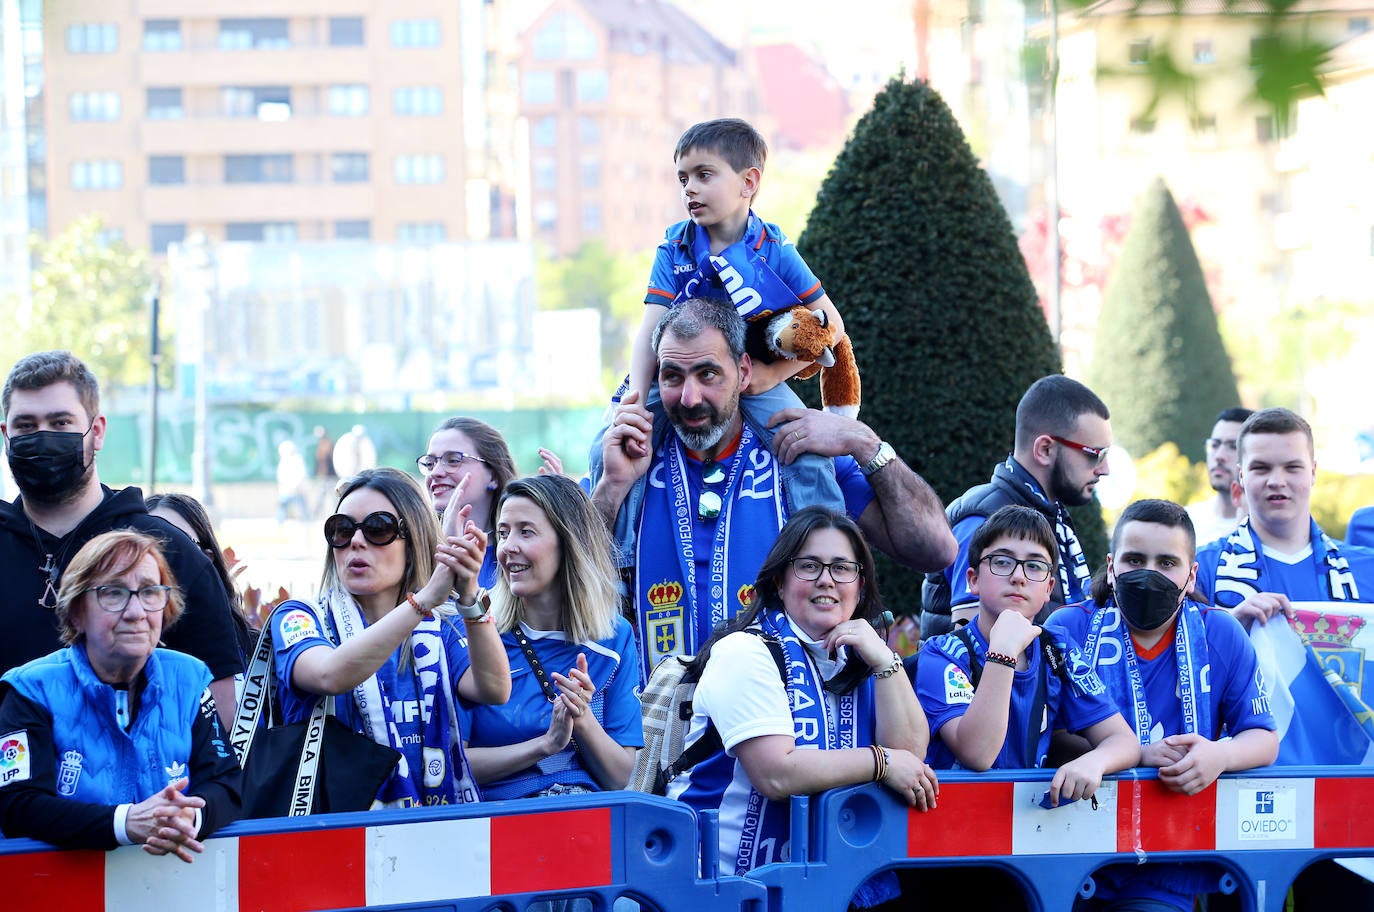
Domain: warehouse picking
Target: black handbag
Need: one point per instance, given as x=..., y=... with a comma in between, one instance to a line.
x=318, y=766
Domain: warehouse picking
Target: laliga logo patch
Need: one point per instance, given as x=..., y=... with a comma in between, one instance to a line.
x=14, y=758
x=296, y=626
x=957, y=686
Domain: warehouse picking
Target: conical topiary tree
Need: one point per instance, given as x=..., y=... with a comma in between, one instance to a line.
x=1158, y=360
x=916, y=251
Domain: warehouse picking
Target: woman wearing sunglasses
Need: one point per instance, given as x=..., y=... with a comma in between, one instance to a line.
x=856, y=718
x=468, y=447
x=573, y=721
x=381, y=638
x=113, y=741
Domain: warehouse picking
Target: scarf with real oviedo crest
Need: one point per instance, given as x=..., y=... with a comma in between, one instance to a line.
x=446, y=778
x=752, y=512
x=1241, y=567
x=817, y=725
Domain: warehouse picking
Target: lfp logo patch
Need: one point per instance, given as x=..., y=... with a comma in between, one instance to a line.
x=14, y=757
x=295, y=626
x=957, y=686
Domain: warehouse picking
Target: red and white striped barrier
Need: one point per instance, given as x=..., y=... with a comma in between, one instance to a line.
x=979, y=819
x=329, y=869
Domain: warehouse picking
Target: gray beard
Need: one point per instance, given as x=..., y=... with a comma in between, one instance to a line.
x=702, y=440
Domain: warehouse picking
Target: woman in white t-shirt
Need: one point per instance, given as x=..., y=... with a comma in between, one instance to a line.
x=815, y=601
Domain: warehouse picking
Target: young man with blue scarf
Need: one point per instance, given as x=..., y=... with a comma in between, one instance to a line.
x=1184, y=675
x=695, y=514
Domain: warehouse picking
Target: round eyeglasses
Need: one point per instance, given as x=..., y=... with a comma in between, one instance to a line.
x=1035, y=569
x=380, y=528
x=115, y=599
x=453, y=459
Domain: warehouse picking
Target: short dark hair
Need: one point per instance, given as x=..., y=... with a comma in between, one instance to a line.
x=1236, y=413
x=43, y=369
x=695, y=315
x=1152, y=510
x=732, y=139
x=1017, y=522
x=1053, y=405
x=1273, y=421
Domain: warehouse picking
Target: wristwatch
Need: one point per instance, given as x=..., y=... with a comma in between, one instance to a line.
x=884, y=455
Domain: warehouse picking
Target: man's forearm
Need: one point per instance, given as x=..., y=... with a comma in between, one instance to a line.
x=917, y=531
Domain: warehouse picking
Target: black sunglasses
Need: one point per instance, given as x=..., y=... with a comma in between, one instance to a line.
x=380, y=528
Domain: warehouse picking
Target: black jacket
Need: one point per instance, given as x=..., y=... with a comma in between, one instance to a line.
x=205, y=629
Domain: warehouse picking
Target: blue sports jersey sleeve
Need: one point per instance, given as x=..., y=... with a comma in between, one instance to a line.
x=664, y=284
x=1082, y=701
x=956, y=574
x=295, y=628
x=942, y=682
x=1207, y=557
x=858, y=493
x=623, y=719
x=791, y=268
x=1240, y=702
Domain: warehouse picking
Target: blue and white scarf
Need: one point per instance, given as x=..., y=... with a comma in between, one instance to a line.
x=446, y=778
x=1075, y=579
x=1123, y=676
x=753, y=286
x=1241, y=567
x=766, y=823
x=752, y=512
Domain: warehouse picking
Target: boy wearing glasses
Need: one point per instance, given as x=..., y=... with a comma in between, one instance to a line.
x=1218, y=515
x=995, y=690
x=1183, y=674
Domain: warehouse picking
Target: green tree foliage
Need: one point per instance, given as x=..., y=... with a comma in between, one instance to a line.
x=918, y=255
x=611, y=284
x=1158, y=361
x=89, y=296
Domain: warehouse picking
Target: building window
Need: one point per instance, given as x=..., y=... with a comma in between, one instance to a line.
x=1139, y=52
x=1268, y=129
x=353, y=230
x=258, y=169
x=564, y=37
x=1142, y=126
x=162, y=34
x=164, y=104
x=262, y=102
x=162, y=236
x=348, y=167
x=592, y=86
x=545, y=174
x=348, y=100
x=97, y=174
x=591, y=216
x=413, y=33
x=108, y=237
x=418, y=101
x=166, y=169
x=421, y=232
x=589, y=131
x=1204, y=128
x=279, y=232
x=538, y=87
x=591, y=172
x=1203, y=51
x=92, y=38
x=253, y=34
x=545, y=215
x=419, y=169
x=346, y=31
x=544, y=133
x=86, y=106
x=1357, y=25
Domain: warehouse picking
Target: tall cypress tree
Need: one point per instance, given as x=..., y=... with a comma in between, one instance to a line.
x=916, y=251
x=1158, y=360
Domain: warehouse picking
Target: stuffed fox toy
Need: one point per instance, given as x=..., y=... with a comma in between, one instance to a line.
x=799, y=334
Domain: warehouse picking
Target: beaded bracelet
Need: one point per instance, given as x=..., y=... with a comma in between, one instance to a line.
x=423, y=612
x=1001, y=659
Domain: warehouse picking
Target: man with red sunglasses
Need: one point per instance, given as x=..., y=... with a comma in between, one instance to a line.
x=1063, y=432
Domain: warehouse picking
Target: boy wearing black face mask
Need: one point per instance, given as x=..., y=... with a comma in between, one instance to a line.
x=1183, y=675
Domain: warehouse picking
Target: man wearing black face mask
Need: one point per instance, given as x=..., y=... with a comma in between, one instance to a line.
x=53, y=430
x=1183, y=674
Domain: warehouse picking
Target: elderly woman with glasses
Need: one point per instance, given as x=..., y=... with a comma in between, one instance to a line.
x=800, y=694
x=468, y=448
x=382, y=637
x=111, y=741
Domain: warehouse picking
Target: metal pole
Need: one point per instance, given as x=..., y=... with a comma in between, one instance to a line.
x=1055, y=243
x=155, y=362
